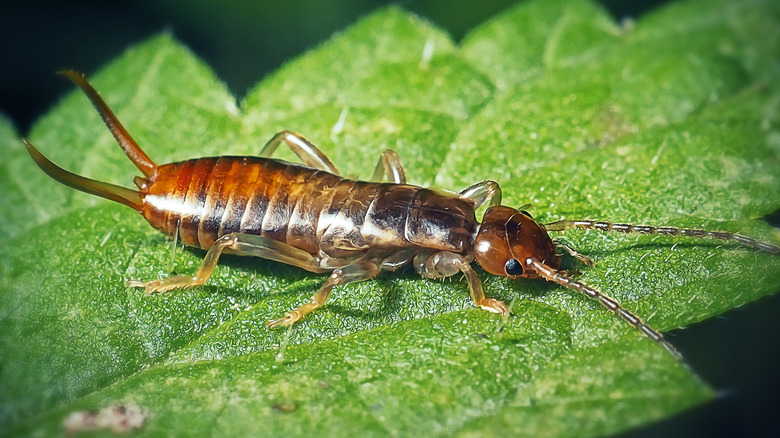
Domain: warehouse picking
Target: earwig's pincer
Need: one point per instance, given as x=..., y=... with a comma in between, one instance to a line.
x=311, y=217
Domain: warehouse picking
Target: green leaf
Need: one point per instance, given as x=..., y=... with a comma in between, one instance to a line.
x=665, y=122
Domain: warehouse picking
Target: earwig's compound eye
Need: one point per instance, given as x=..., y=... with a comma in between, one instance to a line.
x=513, y=267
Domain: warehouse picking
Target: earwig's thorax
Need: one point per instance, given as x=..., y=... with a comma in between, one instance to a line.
x=507, y=238
x=440, y=220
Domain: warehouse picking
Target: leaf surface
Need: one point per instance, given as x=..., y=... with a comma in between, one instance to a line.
x=665, y=123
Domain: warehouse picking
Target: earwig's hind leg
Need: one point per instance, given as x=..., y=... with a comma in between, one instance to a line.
x=259, y=246
x=304, y=149
x=390, y=165
x=483, y=192
x=203, y=274
x=446, y=264
x=355, y=272
x=556, y=276
x=244, y=244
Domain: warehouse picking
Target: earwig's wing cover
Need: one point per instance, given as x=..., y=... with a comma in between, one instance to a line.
x=668, y=120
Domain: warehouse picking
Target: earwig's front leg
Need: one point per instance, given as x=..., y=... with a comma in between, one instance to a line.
x=304, y=149
x=243, y=244
x=358, y=271
x=482, y=192
x=446, y=264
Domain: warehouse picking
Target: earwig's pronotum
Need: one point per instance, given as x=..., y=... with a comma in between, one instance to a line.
x=311, y=217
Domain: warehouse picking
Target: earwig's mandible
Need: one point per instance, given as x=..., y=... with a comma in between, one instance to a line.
x=311, y=217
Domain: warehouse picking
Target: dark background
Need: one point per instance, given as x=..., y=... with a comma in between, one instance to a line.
x=737, y=353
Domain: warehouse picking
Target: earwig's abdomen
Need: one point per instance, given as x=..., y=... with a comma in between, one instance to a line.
x=313, y=210
x=209, y=197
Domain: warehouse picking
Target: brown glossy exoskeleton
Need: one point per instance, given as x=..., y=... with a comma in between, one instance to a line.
x=311, y=217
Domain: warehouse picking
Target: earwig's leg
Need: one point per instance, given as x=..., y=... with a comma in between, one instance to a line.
x=482, y=192
x=358, y=271
x=200, y=277
x=551, y=274
x=445, y=264
x=259, y=246
x=304, y=149
x=573, y=252
x=245, y=244
x=564, y=224
x=390, y=165
x=397, y=259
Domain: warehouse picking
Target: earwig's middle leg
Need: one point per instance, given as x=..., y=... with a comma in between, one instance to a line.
x=390, y=165
x=446, y=264
x=355, y=272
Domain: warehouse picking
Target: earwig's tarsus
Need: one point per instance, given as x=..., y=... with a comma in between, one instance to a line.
x=565, y=224
x=557, y=276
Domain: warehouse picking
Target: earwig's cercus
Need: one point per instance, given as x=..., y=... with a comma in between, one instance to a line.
x=309, y=216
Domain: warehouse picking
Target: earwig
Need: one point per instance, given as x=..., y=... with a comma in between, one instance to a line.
x=311, y=217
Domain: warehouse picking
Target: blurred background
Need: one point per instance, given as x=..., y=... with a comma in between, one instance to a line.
x=243, y=41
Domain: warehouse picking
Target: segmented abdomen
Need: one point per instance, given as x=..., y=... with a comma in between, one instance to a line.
x=312, y=210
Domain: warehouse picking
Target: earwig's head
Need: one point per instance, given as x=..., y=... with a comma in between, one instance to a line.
x=507, y=238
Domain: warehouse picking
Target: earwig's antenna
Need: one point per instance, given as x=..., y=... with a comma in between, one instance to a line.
x=126, y=142
x=564, y=224
x=549, y=273
x=556, y=276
